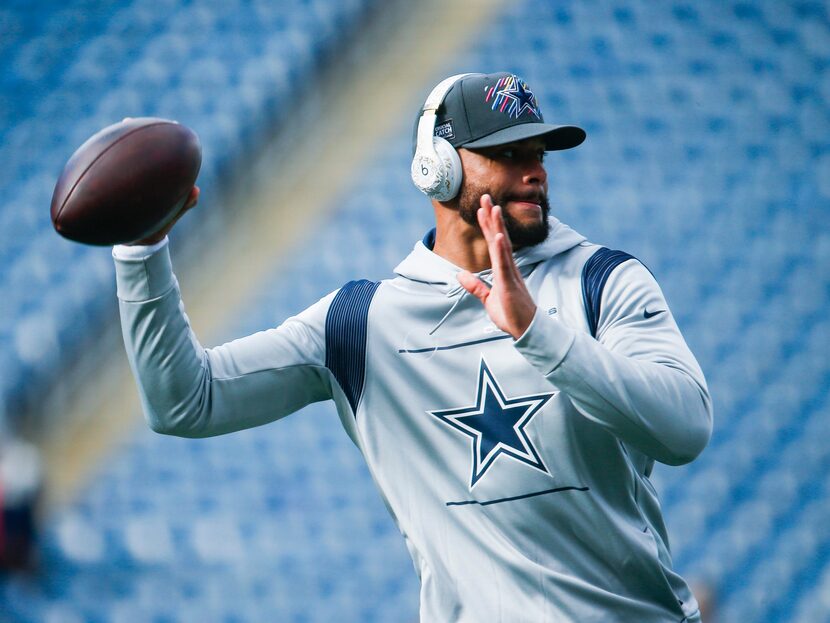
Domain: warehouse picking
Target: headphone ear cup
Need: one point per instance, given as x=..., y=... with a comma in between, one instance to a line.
x=427, y=172
x=451, y=180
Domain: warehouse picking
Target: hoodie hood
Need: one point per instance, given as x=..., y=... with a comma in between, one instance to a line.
x=424, y=266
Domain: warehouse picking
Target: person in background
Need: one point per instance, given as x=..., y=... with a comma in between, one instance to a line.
x=21, y=487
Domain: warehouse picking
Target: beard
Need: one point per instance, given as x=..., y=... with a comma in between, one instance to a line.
x=521, y=234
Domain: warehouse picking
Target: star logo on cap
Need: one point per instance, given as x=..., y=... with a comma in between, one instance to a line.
x=496, y=424
x=512, y=96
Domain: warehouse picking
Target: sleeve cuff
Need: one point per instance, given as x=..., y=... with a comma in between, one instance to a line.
x=143, y=272
x=545, y=343
x=137, y=251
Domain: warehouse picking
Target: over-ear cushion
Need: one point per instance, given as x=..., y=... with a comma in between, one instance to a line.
x=451, y=176
x=427, y=171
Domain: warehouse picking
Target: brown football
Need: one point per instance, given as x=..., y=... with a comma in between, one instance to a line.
x=126, y=182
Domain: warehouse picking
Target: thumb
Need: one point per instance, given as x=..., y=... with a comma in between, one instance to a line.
x=192, y=199
x=473, y=285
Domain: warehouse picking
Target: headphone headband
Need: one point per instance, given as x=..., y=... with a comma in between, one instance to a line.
x=440, y=91
x=428, y=171
x=426, y=125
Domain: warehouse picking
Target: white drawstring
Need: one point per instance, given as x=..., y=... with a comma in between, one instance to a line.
x=486, y=278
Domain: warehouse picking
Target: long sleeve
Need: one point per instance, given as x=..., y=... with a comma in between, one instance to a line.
x=190, y=391
x=638, y=378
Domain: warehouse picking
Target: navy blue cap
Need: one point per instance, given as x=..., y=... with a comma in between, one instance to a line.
x=487, y=110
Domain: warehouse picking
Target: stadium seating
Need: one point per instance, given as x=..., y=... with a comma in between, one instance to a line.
x=69, y=69
x=708, y=158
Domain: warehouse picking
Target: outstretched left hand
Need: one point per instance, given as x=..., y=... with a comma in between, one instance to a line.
x=508, y=303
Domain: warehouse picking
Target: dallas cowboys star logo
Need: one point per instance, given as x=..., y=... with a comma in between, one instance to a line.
x=513, y=96
x=496, y=424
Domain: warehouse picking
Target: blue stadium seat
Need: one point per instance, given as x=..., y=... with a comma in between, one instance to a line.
x=104, y=62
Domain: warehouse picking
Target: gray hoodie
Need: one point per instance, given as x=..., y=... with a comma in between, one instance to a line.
x=516, y=470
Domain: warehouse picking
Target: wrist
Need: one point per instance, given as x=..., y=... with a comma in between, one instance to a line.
x=546, y=342
x=523, y=320
x=137, y=251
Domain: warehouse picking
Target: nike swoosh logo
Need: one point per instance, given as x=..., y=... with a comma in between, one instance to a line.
x=647, y=314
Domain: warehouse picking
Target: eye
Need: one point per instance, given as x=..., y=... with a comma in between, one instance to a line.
x=513, y=154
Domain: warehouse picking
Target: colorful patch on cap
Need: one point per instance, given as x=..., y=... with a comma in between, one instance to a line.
x=512, y=96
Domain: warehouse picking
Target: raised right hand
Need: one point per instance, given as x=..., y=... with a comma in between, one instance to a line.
x=192, y=200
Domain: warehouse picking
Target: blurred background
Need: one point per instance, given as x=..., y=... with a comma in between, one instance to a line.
x=708, y=157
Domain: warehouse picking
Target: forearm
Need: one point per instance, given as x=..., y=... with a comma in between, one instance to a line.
x=654, y=406
x=189, y=391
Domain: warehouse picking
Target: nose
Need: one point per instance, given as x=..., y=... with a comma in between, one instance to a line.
x=535, y=173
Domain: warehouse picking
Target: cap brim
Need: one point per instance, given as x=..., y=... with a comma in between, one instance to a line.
x=556, y=136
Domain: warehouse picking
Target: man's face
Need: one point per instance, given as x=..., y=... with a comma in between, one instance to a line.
x=514, y=176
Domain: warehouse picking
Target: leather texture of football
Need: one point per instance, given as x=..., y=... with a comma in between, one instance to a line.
x=126, y=182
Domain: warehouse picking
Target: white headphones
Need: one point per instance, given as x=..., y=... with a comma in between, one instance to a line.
x=436, y=167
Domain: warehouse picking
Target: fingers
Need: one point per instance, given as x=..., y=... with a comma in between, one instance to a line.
x=506, y=247
x=509, y=271
x=497, y=222
x=491, y=222
x=484, y=217
x=473, y=285
x=192, y=199
x=500, y=257
x=500, y=227
x=491, y=219
x=486, y=201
